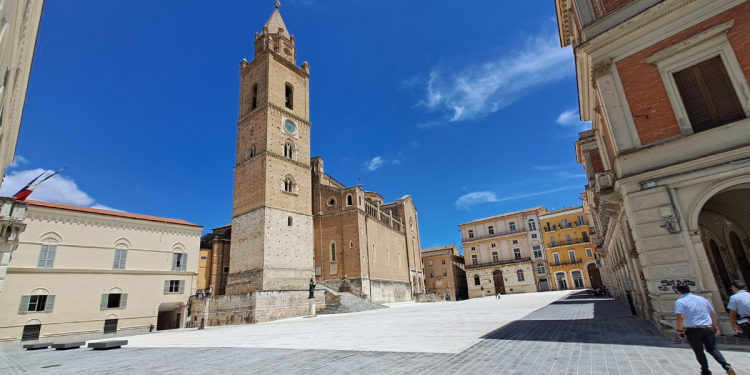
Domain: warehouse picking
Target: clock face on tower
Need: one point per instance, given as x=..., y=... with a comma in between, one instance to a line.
x=289, y=126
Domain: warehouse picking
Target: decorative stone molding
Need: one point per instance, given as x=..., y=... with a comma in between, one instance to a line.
x=97, y=222
x=602, y=69
x=696, y=40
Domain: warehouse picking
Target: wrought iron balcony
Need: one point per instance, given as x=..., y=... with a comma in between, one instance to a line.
x=496, y=234
x=573, y=241
x=565, y=263
x=470, y=266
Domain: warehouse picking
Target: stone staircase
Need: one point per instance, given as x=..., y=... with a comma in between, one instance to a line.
x=344, y=302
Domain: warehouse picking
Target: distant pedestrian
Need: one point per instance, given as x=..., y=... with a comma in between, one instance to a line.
x=497, y=296
x=696, y=321
x=739, y=309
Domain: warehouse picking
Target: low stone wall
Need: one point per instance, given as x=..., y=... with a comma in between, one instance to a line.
x=254, y=307
x=383, y=291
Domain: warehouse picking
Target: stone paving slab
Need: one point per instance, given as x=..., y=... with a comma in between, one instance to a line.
x=565, y=337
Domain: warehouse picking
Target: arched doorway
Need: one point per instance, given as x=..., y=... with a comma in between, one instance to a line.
x=562, y=281
x=595, y=277
x=170, y=316
x=724, y=223
x=497, y=277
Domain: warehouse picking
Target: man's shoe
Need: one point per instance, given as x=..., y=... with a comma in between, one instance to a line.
x=729, y=370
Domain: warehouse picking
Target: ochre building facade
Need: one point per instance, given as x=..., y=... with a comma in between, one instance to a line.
x=445, y=274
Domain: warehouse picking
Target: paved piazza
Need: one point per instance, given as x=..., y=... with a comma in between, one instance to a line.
x=538, y=333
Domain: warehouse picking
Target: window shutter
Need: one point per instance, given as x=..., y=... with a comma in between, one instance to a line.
x=116, y=265
x=166, y=286
x=25, y=300
x=52, y=249
x=708, y=95
x=184, y=262
x=182, y=287
x=105, y=299
x=123, y=257
x=124, y=300
x=174, y=261
x=50, y=303
x=43, y=256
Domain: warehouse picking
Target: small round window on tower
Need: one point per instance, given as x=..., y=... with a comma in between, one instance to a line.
x=331, y=201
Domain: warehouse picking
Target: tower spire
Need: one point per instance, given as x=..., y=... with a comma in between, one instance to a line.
x=275, y=24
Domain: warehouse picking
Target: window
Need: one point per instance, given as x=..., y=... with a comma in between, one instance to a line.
x=474, y=260
x=349, y=200
x=179, y=262
x=533, y=235
x=537, y=251
x=333, y=252
x=174, y=286
x=204, y=257
x=577, y=279
x=120, y=256
x=432, y=274
x=512, y=226
x=288, y=96
x=473, y=248
x=708, y=95
x=495, y=257
x=47, y=256
x=443, y=261
x=491, y=230
x=515, y=242
x=290, y=221
x=476, y=280
x=564, y=224
x=289, y=150
x=552, y=241
x=445, y=273
x=429, y=263
x=471, y=234
x=581, y=221
x=519, y=273
x=251, y=152
x=289, y=185
x=36, y=303
x=226, y=269
x=572, y=255
x=532, y=224
x=585, y=236
x=589, y=253
x=114, y=301
x=568, y=240
x=31, y=332
x=351, y=244
x=254, y=104
x=540, y=270
x=549, y=227
x=493, y=245
x=556, y=258
x=517, y=254
x=110, y=326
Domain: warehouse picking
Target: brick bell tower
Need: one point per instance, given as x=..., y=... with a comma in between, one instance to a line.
x=272, y=229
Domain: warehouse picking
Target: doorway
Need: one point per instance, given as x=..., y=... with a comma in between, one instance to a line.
x=497, y=277
x=543, y=284
x=562, y=281
x=595, y=277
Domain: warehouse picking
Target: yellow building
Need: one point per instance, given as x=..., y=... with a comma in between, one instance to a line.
x=570, y=251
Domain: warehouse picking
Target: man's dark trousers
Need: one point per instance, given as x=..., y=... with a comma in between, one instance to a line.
x=745, y=328
x=700, y=337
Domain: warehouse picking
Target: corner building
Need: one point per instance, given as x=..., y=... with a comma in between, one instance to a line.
x=665, y=84
x=445, y=273
x=291, y=222
x=505, y=253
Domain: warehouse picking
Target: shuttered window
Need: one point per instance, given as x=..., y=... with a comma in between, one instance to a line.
x=179, y=262
x=114, y=301
x=708, y=95
x=47, y=256
x=120, y=257
x=30, y=304
x=174, y=286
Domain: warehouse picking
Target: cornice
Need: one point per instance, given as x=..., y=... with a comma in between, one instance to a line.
x=252, y=114
x=600, y=70
x=340, y=213
x=97, y=221
x=98, y=271
x=272, y=208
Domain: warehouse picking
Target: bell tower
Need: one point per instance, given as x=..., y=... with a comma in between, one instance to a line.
x=272, y=230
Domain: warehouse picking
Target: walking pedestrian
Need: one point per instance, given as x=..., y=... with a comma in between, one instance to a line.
x=497, y=296
x=696, y=321
x=739, y=309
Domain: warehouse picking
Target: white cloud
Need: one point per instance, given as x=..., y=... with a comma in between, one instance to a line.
x=375, y=163
x=570, y=118
x=103, y=207
x=482, y=89
x=414, y=144
x=468, y=200
x=58, y=189
x=549, y=167
x=18, y=160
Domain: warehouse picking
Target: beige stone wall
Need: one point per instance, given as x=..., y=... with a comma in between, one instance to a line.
x=83, y=270
x=512, y=285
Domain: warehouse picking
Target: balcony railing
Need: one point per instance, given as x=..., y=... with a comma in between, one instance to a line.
x=469, y=266
x=496, y=234
x=574, y=241
x=566, y=263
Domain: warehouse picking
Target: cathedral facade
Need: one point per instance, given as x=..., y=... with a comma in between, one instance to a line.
x=291, y=222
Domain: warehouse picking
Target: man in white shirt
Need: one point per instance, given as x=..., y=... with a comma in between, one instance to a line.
x=696, y=321
x=739, y=309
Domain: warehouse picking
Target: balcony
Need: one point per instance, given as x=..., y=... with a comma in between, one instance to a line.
x=566, y=263
x=496, y=234
x=574, y=241
x=470, y=266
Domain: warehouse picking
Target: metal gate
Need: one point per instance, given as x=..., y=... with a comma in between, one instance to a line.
x=110, y=326
x=31, y=332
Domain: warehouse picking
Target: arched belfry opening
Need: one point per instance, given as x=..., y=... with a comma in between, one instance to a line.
x=289, y=96
x=724, y=222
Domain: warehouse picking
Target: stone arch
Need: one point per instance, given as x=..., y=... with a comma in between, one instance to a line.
x=122, y=243
x=290, y=149
x=289, y=184
x=694, y=208
x=178, y=247
x=33, y=321
x=251, y=151
x=115, y=290
x=288, y=95
x=40, y=292
x=112, y=316
x=51, y=237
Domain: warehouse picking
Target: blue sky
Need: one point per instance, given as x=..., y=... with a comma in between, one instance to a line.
x=470, y=107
